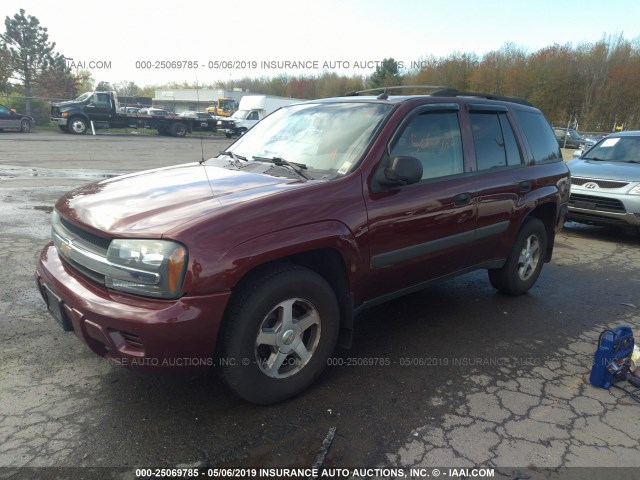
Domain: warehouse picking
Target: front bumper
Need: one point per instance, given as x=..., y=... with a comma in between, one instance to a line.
x=177, y=336
x=60, y=121
x=589, y=206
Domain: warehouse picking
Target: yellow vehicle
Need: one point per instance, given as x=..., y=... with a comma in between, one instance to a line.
x=222, y=107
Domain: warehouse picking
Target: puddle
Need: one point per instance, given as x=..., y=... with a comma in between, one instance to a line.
x=13, y=172
x=44, y=208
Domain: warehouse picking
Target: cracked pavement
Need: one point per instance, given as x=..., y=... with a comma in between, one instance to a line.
x=503, y=381
x=548, y=415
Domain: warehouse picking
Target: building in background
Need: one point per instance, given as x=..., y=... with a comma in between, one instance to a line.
x=194, y=100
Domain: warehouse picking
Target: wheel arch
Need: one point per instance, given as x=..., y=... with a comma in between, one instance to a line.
x=547, y=214
x=331, y=266
x=77, y=113
x=327, y=248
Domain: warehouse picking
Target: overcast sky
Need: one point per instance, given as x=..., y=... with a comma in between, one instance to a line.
x=124, y=38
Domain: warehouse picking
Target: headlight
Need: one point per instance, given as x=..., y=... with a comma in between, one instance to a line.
x=149, y=267
x=635, y=190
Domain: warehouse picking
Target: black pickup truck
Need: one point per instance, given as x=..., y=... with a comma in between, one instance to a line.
x=101, y=108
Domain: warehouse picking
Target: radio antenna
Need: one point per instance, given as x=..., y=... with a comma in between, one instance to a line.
x=197, y=110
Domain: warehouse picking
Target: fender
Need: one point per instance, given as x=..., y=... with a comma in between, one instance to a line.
x=75, y=112
x=280, y=244
x=545, y=200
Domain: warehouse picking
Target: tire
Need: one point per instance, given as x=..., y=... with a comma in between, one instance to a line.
x=25, y=126
x=279, y=330
x=77, y=125
x=178, y=129
x=242, y=131
x=228, y=135
x=525, y=261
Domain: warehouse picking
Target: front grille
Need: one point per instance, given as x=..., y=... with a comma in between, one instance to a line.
x=600, y=183
x=65, y=234
x=591, y=202
x=87, y=272
x=94, y=242
x=594, y=218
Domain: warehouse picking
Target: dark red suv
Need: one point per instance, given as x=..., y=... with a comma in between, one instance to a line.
x=257, y=261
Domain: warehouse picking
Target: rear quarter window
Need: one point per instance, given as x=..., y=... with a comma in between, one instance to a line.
x=540, y=137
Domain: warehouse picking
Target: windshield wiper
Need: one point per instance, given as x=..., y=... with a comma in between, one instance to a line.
x=236, y=158
x=281, y=162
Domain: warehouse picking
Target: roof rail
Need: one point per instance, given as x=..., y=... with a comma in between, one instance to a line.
x=452, y=92
x=397, y=87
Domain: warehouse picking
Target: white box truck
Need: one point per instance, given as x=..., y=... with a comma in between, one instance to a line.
x=251, y=110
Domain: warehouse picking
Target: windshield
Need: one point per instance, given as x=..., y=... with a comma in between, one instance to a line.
x=616, y=149
x=83, y=97
x=227, y=104
x=329, y=137
x=574, y=134
x=242, y=114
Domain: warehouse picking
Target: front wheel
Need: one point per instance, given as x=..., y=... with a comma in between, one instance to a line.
x=25, y=126
x=525, y=261
x=279, y=331
x=78, y=125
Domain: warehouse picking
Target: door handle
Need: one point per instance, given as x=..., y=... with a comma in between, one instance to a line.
x=462, y=199
x=525, y=186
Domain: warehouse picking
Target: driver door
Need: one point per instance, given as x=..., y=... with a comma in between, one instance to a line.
x=422, y=231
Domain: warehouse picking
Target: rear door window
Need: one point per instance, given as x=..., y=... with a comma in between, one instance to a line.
x=494, y=141
x=540, y=137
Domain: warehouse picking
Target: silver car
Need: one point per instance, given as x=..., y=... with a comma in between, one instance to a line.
x=605, y=182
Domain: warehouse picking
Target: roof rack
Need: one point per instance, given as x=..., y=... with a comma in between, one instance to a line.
x=440, y=91
x=384, y=95
x=452, y=92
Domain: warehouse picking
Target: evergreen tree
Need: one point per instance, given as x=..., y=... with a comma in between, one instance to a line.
x=30, y=51
x=386, y=74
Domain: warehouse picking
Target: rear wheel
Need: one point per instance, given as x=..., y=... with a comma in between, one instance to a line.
x=280, y=329
x=524, y=264
x=178, y=129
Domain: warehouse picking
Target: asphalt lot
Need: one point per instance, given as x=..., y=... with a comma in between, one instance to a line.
x=473, y=378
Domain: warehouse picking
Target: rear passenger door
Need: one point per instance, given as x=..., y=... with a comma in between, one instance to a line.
x=500, y=179
x=422, y=231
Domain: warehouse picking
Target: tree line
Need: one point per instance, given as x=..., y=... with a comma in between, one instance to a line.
x=591, y=86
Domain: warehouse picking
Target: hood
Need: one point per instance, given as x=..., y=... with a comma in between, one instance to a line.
x=67, y=104
x=604, y=170
x=152, y=202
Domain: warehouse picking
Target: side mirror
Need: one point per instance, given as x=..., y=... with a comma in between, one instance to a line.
x=401, y=171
